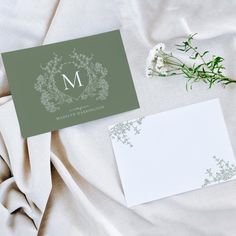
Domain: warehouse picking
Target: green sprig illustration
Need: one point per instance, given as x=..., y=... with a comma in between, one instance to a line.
x=121, y=131
x=225, y=171
x=205, y=68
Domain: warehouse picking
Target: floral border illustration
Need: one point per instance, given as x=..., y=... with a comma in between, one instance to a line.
x=225, y=171
x=52, y=97
x=121, y=131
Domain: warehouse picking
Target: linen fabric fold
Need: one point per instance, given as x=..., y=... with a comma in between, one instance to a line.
x=66, y=182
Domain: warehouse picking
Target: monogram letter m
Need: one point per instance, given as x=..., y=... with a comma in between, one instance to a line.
x=72, y=84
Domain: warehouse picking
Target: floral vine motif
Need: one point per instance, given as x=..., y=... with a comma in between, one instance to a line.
x=226, y=171
x=120, y=132
x=52, y=98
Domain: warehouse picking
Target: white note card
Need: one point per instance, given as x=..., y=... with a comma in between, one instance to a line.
x=173, y=152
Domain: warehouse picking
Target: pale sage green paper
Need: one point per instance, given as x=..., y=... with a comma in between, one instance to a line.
x=67, y=83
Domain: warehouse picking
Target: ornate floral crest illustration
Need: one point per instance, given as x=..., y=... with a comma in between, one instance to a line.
x=225, y=171
x=121, y=131
x=52, y=97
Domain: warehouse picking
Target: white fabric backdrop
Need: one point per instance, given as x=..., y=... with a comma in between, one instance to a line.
x=66, y=182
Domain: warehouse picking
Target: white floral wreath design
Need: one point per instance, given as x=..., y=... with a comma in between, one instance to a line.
x=52, y=98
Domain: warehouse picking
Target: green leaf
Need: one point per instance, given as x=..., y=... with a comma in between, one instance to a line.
x=195, y=56
x=206, y=52
x=180, y=49
x=198, y=67
x=179, y=45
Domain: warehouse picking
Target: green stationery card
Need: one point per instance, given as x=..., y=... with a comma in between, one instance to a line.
x=67, y=83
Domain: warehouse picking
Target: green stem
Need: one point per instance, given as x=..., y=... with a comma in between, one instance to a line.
x=194, y=49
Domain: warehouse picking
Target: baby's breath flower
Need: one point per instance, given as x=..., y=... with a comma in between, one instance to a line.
x=159, y=63
x=163, y=71
x=159, y=47
x=162, y=63
x=156, y=63
x=149, y=72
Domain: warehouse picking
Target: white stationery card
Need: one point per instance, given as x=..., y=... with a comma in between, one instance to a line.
x=173, y=152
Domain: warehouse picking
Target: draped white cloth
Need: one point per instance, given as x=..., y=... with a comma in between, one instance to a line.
x=66, y=182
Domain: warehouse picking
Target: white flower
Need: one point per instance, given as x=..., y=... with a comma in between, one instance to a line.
x=162, y=71
x=150, y=64
x=149, y=60
x=159, y=47
x=155, y=62
x=149, y=72
x=159, y=63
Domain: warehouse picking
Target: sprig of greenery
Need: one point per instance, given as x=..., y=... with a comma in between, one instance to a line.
x=224, y=171
x=209, y=71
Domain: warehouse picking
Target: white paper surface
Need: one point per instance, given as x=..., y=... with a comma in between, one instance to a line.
x=170, y=152
x=84, y=150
